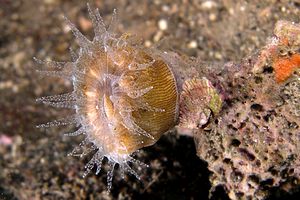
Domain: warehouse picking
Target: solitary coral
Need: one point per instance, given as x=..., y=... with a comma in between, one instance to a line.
x=124, y=97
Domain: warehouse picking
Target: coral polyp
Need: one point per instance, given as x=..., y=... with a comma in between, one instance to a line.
x=124, y=97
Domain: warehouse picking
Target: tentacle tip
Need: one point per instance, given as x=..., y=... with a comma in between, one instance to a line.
x=97, y=172
x=84, y=175
x=35, y=59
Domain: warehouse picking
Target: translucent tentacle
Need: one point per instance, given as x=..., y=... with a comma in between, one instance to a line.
x=61, y=101
x=61, y=97
x=54, y=68
x=113, y=23
x=84, y=148
x=96, y=160
x=130, y=170
x=146, y=106
x=137, y=162
x=141, y=66
x=51, y=64
x=59, y=74
x=63, y=104
x=75, y=133
x=81, y=39
x=129, y=123
x=60, y=122
x=73, y=54
x=97, y=21
x=139, y=92
x=110, y=174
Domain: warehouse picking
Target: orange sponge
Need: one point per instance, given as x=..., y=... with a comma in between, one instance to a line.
x=284, y=67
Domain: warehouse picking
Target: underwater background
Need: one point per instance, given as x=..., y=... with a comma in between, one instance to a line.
x=34, y=162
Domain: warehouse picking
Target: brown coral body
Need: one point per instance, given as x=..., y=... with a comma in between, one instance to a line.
x=149, y=98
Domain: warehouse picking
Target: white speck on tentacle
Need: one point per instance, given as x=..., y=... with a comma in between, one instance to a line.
x=141, y=66
x=110, y=174
x=60, y=122
x=73, y=55
x=82, y=41
x=139, y=92
x=96, y=159
x=76, y=133
x=97, y=21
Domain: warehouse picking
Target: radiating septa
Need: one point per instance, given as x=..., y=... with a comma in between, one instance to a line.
x=199, y=101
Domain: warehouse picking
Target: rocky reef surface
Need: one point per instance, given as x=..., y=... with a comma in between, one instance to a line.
x=252, y=143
